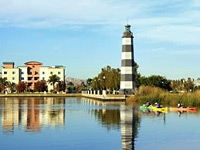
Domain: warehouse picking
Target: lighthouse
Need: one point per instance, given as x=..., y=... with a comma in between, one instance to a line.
x=127, y=83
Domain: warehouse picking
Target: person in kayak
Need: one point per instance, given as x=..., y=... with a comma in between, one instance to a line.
x=179, y=105
x=148, y=104
x=158, y=105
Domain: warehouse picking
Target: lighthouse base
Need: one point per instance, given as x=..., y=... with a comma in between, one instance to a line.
x=127, y=92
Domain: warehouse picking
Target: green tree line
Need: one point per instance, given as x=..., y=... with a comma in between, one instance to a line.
x=109, y=78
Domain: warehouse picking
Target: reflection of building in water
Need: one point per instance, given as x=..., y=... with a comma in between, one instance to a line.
x=129, y=127
x=54, y=112
x=32, y=113
x=23, y=112
x=10, y=112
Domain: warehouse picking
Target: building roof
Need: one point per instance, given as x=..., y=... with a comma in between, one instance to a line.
x=58, y=66
x=8, y=63
x=33, y=62
x=22, y=67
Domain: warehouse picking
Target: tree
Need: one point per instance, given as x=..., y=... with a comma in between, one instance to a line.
x=79, y=88
x=10, y=86
x=89, y=82
x=83, y=86
x=40, y=86
x=2, y=87
x=21, y=87
x=53, y=79
x=95, y=83
x=3, y=81
x=61, y=86
x=143, y=81
x=70, y=87
x=189, y=85
x=137, y=75
x=108, y=78
x=155, y=81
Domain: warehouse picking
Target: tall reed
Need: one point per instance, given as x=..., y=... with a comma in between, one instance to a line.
x=154, y=94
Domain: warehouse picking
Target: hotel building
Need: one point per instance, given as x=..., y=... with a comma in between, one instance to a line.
x=32, y=72
x=10, y=73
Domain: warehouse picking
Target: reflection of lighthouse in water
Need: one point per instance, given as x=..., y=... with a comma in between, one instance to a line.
x=127, y=127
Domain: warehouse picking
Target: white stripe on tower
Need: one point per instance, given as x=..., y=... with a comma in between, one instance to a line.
x=127, y=64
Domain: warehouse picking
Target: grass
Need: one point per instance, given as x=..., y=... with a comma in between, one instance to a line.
x=154, y=94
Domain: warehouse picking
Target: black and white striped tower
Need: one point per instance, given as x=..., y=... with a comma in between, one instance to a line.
x=127, y=82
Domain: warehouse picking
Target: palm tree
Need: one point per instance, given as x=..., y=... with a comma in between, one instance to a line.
x=53, y=79
x=3, y=81
x=10, y=86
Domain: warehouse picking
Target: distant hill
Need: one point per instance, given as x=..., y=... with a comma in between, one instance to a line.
x=75, y=81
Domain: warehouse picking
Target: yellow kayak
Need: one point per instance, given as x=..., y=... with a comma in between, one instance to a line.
x=163, y=110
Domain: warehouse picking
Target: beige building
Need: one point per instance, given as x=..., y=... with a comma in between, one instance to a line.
x=32, y=72
x=47, y=71
x=10, y=73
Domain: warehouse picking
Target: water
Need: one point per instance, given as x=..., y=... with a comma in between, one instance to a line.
x=80, y=123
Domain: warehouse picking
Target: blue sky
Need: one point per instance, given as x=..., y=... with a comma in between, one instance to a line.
x=85, y=35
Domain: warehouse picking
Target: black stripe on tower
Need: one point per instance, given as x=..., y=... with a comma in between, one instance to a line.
x=127, y=48
x=127, y=77
x=127, y=63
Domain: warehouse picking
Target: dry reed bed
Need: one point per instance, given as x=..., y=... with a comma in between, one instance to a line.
x=154, y=94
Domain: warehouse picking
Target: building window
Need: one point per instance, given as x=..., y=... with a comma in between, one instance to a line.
x=59, y=72
x=5, y=72
x=5, y=78
x=29, y=84
x=33, y=66
x=29, y=78
x=43, y=72
x=51, y=72
x=30, y=73
x=43, y=78
x=36, y=78
x=13, y=78
x=36, y=72
x=22, y=72
x=22, y=78
x=13, y=72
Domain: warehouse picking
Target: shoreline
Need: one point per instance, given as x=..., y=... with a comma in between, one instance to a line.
x=92, y=96
x=39, y=95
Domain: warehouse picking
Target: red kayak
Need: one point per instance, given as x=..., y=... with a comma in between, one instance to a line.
x=193, y=109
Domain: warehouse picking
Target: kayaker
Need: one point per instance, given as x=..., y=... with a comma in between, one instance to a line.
x=148, y=103
x=179, y=105
x=158, y=105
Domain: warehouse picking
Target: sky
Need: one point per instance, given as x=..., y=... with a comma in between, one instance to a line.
x=85, y=35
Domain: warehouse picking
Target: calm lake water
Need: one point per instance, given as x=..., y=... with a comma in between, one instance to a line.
x=80, y=123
